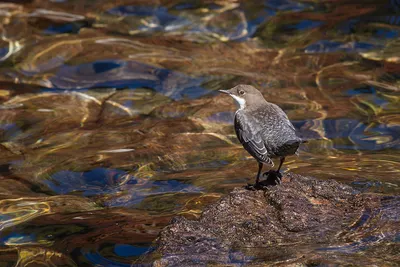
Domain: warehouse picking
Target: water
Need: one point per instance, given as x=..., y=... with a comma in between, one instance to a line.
x=110, y=123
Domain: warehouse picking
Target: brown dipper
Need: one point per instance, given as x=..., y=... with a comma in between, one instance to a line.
x=263, y=128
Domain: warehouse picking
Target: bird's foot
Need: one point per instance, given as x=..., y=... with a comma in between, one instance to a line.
x=273, y=177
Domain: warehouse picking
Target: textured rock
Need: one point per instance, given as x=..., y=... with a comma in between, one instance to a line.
x=287, y=223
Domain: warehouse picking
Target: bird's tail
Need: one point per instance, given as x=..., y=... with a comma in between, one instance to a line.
x=295, y=142
x=293, y=145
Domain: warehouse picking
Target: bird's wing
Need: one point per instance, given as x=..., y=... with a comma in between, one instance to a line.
x=252, y=142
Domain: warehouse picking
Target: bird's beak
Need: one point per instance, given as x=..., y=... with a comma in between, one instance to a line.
x=225, y=92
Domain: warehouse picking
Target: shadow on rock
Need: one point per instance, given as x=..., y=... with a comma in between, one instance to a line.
x=302, y=221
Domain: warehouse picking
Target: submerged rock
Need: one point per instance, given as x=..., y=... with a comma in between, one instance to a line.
x=302, y=221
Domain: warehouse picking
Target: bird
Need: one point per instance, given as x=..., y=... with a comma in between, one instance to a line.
x=263, y=128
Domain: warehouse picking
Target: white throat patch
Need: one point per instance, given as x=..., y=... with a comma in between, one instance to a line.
x=240, y=101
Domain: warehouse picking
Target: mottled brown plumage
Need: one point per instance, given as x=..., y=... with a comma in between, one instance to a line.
x=262, y=128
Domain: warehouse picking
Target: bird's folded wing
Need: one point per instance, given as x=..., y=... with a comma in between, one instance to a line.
x=255, y=145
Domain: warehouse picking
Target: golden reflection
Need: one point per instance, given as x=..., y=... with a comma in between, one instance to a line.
x=33, y=256
x=21, y=210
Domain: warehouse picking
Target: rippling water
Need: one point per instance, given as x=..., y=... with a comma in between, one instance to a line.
x=110, y=123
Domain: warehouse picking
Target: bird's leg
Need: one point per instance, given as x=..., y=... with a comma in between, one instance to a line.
x=260, y=166
x=257, y=185
x=280, y=164
x=278, y=175
x=274, y=177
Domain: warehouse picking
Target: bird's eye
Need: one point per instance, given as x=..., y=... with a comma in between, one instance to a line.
x=241, y=92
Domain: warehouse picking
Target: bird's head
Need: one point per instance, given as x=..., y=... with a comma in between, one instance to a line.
x=245, y=95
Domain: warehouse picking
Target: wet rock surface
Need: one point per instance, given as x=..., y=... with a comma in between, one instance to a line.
x=302, y=221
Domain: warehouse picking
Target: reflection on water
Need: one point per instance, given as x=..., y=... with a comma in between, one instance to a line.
x=110, y=119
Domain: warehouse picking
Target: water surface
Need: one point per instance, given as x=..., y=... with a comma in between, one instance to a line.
x=111, y=124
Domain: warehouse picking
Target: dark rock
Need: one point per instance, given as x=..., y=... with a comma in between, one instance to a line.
x=296, y=222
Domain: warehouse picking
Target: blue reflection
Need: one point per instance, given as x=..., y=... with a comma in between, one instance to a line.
x=387, y=33
x=16, y=238
x=305, y=25
x=362, y=90
x=136, y=10
x=65, y=28
x=94, y=182
x=186, y=6
x=252, y=25
x=104, y=66
x=120, y=250
x=125, y=250
x=73, y=27
x=9, y=130
x=361, y=136
x=129, y=74
x=3, y=51
x=326, y=46
x=101, y=181
x=339, y=128
x=371, y=95
x=98, y=260
x=286, y=5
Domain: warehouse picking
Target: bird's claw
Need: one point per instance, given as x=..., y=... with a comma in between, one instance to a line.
x=272, y=178
x=278, y=180
x=277, y=177
x=251, y=187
